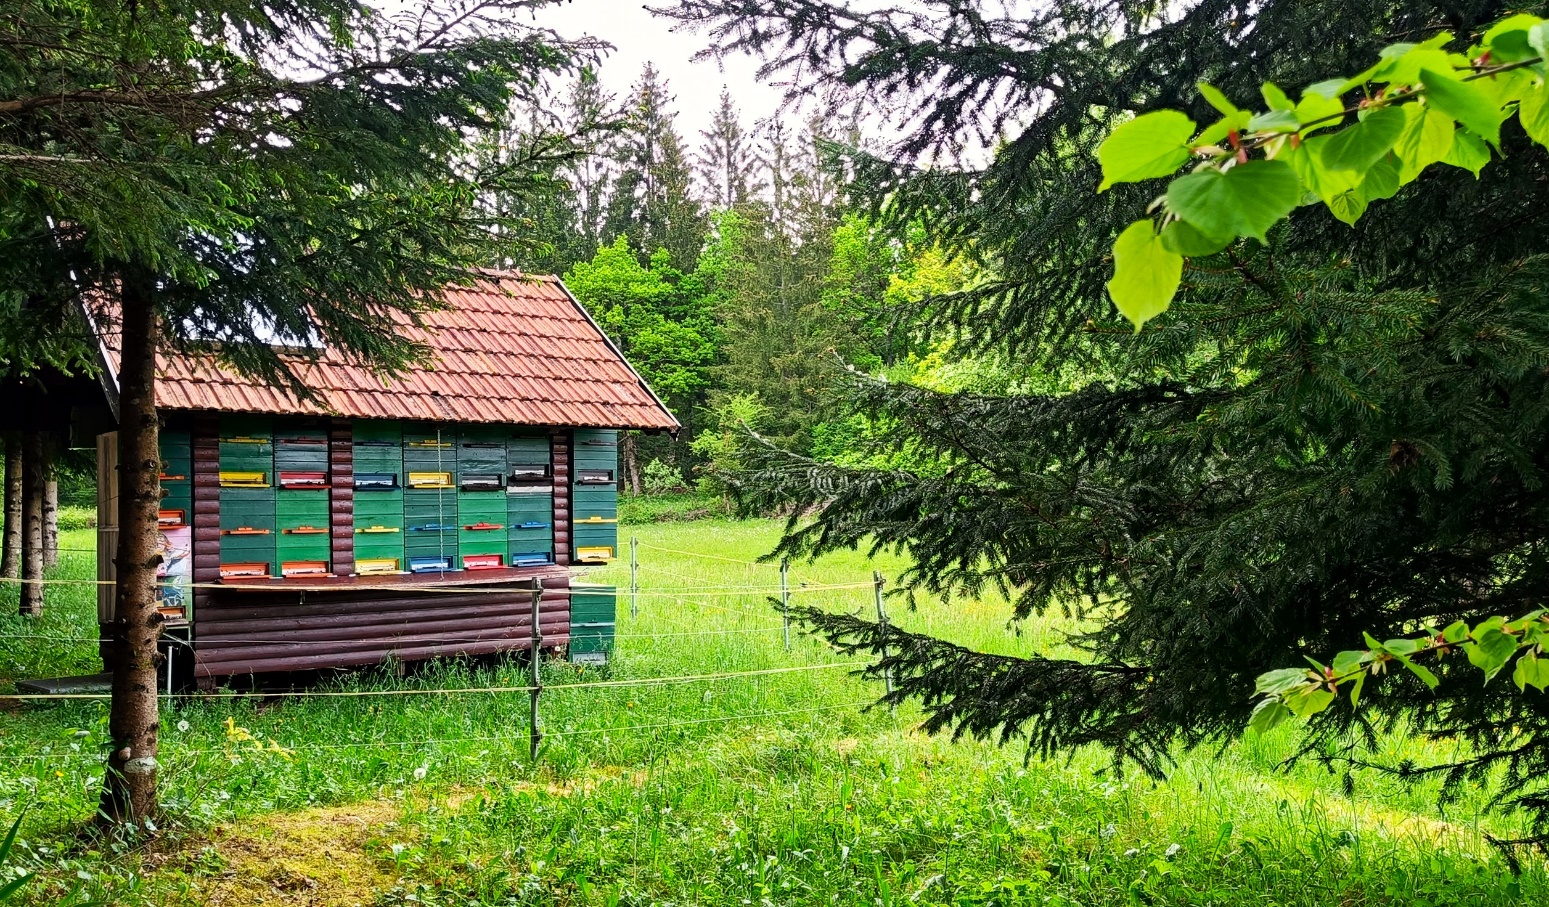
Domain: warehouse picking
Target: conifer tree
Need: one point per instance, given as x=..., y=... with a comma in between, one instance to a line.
x=651, y=200
x=241, y=172
x=1340, y=432
x=727, y=163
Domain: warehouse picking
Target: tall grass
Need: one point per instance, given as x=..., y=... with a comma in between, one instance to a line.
x=774, y=789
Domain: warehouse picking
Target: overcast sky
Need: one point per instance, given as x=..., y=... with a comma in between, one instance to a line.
x=639, y=37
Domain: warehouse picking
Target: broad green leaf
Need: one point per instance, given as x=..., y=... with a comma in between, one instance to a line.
x=1493, y=649
x=1308, y=701
x=1216, y=99
x=1355, y=689
x=1145, y=274
x=1149, y=146
x=1401, y=646
x=1508, y=39
x=1348, y=206
x=1538, y=39
x=1531, y=671
x=1468, y=151
x=1464, y=102
x=1326, y=184
x=1317, y=112
x=1426, y=139
x=1274, y=120
x=1349, y=660
x=1503, y=88
x=1223, y=127
x=1420, y=671
x=1455, y=633
x=1181, y=238
x=1404, y=68
x=1534, y=114
x=1328, y=88
x=1357, y=147
x=1274, y=98
x=1272, y=683
x=1244, y=201
x=1382, y=180
x=1267, y=715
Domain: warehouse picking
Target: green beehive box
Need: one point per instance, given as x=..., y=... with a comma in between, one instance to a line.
x=379, y=508
x=528, y=449
x=236, y=549
x=587, y=503
x=586, y=539
x=250, y=507
x=293, y=508
x=426, y=435
x=593, y=604
x=303, y=547
x=364, y=431
x=482, y=541
x=591, y=643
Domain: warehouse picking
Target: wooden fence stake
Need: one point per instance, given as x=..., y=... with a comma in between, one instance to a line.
x=887, y=673
x=536, y=738
x=785, y=598
x=634, y=576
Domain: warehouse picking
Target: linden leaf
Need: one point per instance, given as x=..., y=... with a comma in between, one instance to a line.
x=1426, y=139
x=1468, y=151
x=1244, y=201
x=1216, y=98
x=1150, y=145
x=1534, y=114
x=1465, y=102
x=1357, y=147
x=1182, y=238
x=1145, y=274
x=1268, y=715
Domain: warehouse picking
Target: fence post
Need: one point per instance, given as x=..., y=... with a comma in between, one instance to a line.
x=634, y=576
x=887, y=673
x=785, y=598
x=536, y=737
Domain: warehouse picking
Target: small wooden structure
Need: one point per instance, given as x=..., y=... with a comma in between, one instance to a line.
x=403, y=519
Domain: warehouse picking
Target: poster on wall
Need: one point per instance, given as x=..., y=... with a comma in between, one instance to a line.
x=176, y=571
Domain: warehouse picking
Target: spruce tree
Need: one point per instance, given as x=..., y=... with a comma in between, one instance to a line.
x=651, y=200
x=727, y=163
x=1342, y=432
x=236, y=174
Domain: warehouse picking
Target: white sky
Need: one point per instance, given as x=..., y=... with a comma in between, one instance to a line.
x=639, y=37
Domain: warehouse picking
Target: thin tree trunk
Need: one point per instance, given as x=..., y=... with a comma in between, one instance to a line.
x=32, y=524
x=129, y=788
x=50, y=505
x=631, y=464
x=11, y=559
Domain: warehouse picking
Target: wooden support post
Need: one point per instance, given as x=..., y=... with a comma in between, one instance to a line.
x=634, y=576
x=887, y=673
x=536, y=733
x=785, y=598
x=32, y=524
x=11, y=559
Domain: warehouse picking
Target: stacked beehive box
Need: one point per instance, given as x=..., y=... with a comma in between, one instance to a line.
x=301, y=499
x=247, y=503
x=530, y=500
x=378, y=499
x=594, y=497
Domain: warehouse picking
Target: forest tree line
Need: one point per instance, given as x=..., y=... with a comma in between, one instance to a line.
x=733, y=268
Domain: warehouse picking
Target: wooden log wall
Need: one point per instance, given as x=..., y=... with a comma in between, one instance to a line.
x=205, y=437
x=341, y=496
x=253, y=632
x=561, y=443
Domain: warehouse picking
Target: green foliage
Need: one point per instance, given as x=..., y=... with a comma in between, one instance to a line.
x=1489, y=646
x=1336, y=431
x=1414, y=110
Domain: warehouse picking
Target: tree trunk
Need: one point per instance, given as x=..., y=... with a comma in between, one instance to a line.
x=129, y=788
x=32, y=524
x=50, y=505
x=631, y=463
x=11, y=559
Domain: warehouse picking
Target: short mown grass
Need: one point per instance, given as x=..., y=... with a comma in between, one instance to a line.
x=772, y=789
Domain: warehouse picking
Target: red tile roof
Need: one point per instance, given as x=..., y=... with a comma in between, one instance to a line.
x=512, y=348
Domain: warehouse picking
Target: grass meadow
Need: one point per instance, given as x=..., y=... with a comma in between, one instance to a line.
x=775, y=789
